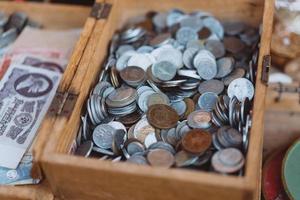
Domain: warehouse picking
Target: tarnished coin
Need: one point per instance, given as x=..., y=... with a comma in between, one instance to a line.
x=213, y=85
x=164, y=70
x=121, y=97
x=185, y=34
x=228, y=160
x=234, y=44
x=190, y=107
x=236, y=73
x=162, y=116
x=158, y=98
x=103, y=136
x=196, y=141
x=138, y=159
x=204, y=33
x=241, y=88
x=84, y=149
x=216, y=47
x=133, y=76
x=160, y=40
x=131, y=118
x=234, y=27
x=207, y=101
x=199, y=119
x=184, y=159
x=142, y=129
x=205, y=64
x=160, y=158
x=225, y=66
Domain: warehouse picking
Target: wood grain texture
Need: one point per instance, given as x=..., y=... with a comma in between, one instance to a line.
x=51, y=17
x=73, y=177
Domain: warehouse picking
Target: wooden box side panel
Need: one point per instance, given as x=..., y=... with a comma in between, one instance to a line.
x=254, y=157
x=79, y=178
x=49, y=15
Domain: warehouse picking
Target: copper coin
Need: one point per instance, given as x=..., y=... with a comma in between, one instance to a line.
x=160, y=39
x=131, y=118
x=162, y=116
x=204, y=33
x=190, y=107
x=234, y=44
x=133, y=74
x=196, y=141
x=160, y=158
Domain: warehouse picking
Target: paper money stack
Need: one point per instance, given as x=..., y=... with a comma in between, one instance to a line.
x=32, y=61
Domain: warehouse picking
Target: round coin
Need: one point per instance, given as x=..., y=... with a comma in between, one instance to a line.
x=160, y=158
x=234, y=44
x=216, y=47
x=225, y=66
x=158, y=98
x=162, y=116
x=205, y=64
x=103, y=136
x=133, y=76
x=196, y=141
x=164, y=70
x=199, y=119
x=213, y=85
x=185, y=34
x=241, y=88
x=228, y=160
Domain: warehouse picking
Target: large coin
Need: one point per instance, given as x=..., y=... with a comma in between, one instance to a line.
x=196, y=141
x=207, y=101
x=199, y=119
x=225, y=66
x=213, y=85
x=206, y=65
x=133, y=75
x=241, y=88
x=103, y=136
x=162, y=116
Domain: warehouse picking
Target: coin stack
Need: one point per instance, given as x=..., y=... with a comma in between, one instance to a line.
x=176, y=91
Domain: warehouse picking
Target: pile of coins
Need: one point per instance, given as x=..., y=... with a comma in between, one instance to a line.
x=11, y=26
x=176, y=91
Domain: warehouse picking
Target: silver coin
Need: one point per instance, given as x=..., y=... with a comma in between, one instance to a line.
x=207, y=101
x=199, y=119
x=145, y=49
x=213, y=85
x=100, y=87
x=162, y=145
x=196, y=44
x=214, y=26
x=225, y=66
x=205, y=65
x=185, y=34
x=193, y=22
x=122, y=49
x=174, y=17
x=150, y=139
x=241, y=88
x=164, y=70
x=135, y=147
x=103, y=151
x=141, y=60
x=143, y=100
x=158, y=98
x=160, y=21
x=122, y=62
x=169, y=54
x=137, y=159
x=188, y=57
x=171, y=137
x=180, y=107
x=189, y=73
x=103, y=136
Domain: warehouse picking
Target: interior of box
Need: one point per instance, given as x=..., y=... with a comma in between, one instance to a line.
x=250, y=12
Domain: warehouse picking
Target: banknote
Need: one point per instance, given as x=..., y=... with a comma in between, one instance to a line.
x=26, y=93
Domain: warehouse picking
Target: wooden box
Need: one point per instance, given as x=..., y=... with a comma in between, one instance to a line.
x=72, y=177
x=50, y=17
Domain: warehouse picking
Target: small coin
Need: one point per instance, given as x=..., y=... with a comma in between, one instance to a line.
x=180, y=107
x=199, y=119
x=185, y=34
x=158, y=98
x=193, y=22
x=196, y=141
x=236, y=73
x=164, y=70
x=142, y=129
x=84, y=149
x=162, y=116
x=216, y=47
x=150, y=139
x=225, y=66
x=213, y=85
x=103, y=136
x=234, y=45
x=228, y=160
x=207, y=101
x=138, y=159
x=160, y=158
x=184, y=159
x=140, y=60
x=188, y=57
x=190, y=107
x=134, y=146
x=133, y=76
x=241, y=88
x=205, y=64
